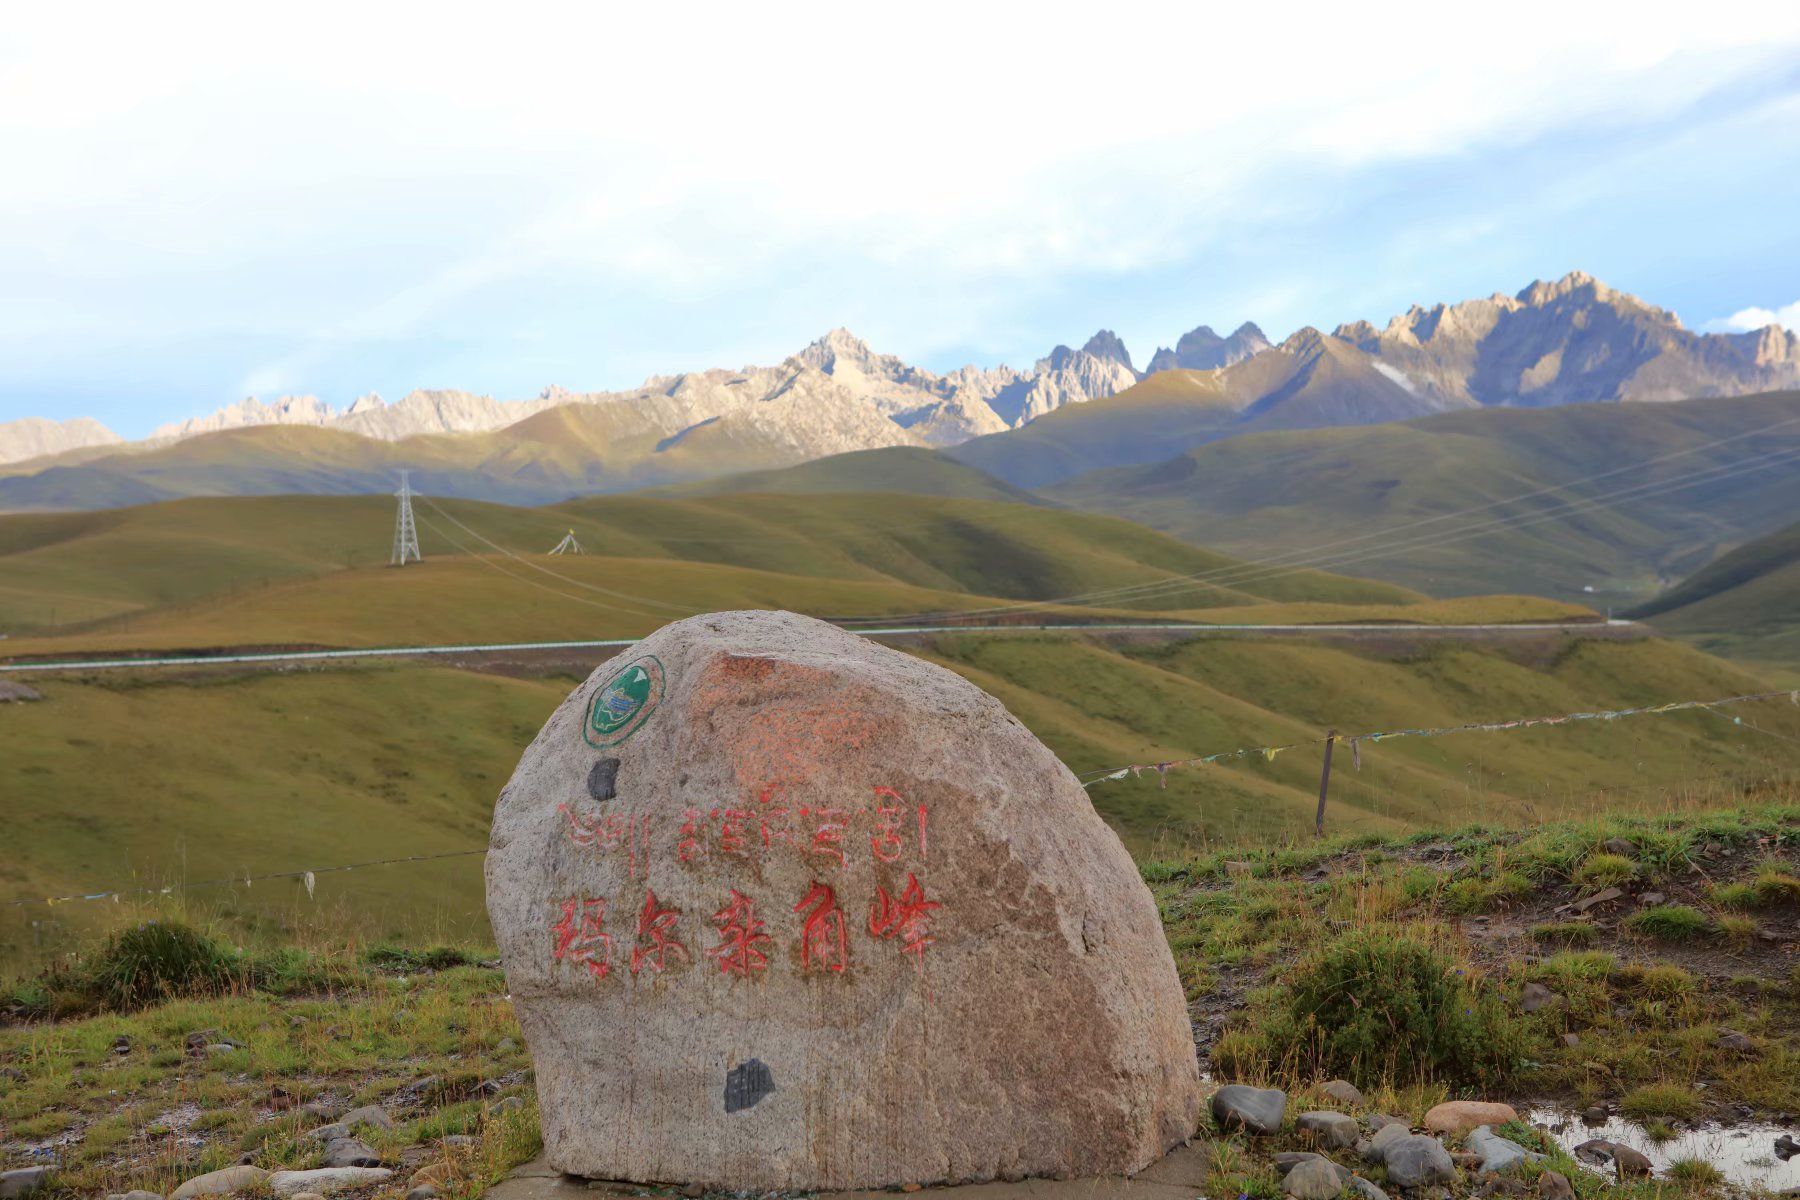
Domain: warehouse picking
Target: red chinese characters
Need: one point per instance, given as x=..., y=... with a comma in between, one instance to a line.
x=824, y=938
x=656, y=936
x=740, y=937
x=908, y=918
x=580, y=936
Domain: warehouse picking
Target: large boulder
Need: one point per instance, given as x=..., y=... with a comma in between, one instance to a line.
x=781, y=908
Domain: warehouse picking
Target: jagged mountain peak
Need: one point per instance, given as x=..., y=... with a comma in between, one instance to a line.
x=1107, y=344
x=1202, y=349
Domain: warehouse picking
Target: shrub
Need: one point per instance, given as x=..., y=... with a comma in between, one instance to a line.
x=158, y=960
x=1670, y=922
x=1660, y=1100
x=1371, y=1005
x=1739, y=930
x=1774, y=885
x=1735, y=896
x=1695, y=1173
x=406, y=958
x=1600, y=871
x=1565, y=933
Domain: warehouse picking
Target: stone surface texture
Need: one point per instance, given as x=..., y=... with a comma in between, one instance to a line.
x=222, y=1183
x=1457, y=1117
x=844, y=922
x=325, y=1180
x=1238, y=1105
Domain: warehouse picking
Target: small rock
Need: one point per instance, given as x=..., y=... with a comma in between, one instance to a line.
x=1535, y=996
x=1376, y=1147
x=1594, y=1115
x=1651, y=899
x=135, y=1194
x=1329, y=1130
x=1629, y=1162
x=214, y=1049
x=322, y=1110
x=1363, y=1188
x=22, y=1182
x=1258, y=1110
x=1457, y=1117
x=1786, y=1147
x=1499, y=1154
x=506, y=1046
x=222, y=1183
x=1378, y=1120
x=1417, y=1161
x=369, y=1114
x=1571, y=1040
x=1553, y=1185
x=1624, y=847
x=459, y=1140
x=1602, y=897
x=1343, y=1091
x=1737, y=1043
x=508, y=1105
x=693, y=1191
x=326, y=1180
x=423, y=1192
x=328, y=1133
x=908, y=1188
x=1314, y=1180
x=121, y=1045
x=350, y=1152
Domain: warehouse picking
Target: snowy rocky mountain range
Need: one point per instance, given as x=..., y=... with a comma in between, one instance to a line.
x=1574, y=340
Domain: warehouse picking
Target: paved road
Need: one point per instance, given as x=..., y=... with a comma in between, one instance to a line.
x=1584, y=628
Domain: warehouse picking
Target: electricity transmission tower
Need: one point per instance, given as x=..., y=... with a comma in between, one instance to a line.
x=406, y=535
x=568, y=545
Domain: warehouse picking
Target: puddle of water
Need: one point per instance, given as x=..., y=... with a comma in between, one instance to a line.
x=1745, y=1154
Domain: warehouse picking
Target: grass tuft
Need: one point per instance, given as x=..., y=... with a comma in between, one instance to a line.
x=1670, y=922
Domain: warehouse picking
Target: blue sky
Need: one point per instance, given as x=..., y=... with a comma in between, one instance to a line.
x=212, y=202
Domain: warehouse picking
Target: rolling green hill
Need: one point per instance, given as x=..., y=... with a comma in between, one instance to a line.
x=308, y=568
x=1386, y=500
x=910, y=469
x=115, y=781
x=1745, y=604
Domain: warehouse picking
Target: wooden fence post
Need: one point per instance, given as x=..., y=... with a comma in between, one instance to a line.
x=1324, y=783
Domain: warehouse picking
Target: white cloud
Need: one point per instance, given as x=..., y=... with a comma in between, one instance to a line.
x=343, y=173
x=1747, y=319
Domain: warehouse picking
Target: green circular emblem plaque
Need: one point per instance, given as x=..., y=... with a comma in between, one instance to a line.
x=624, y=702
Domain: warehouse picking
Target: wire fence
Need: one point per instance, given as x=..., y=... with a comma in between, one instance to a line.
x=307, y=875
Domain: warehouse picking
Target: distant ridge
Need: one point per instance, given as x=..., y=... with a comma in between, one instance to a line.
x=1572, y=341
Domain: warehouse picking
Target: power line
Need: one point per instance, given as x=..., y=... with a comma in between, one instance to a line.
x=1091, y=778
x=485, y=561
x=539, y=567
x=1270, y=753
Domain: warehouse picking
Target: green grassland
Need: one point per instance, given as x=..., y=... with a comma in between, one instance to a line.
x=1329, y=489
x=893, y=469
x=117, y=781
x=1745, y=604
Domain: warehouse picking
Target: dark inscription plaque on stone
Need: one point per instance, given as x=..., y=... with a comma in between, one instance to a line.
x=747, y=1083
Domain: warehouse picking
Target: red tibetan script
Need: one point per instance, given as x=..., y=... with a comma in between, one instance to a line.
x=580, y=937
x=740, y=933
x=824, y=938
x=909, y=919
x=656, y=936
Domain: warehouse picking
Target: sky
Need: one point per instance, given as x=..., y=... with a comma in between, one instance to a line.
x=207, y=202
